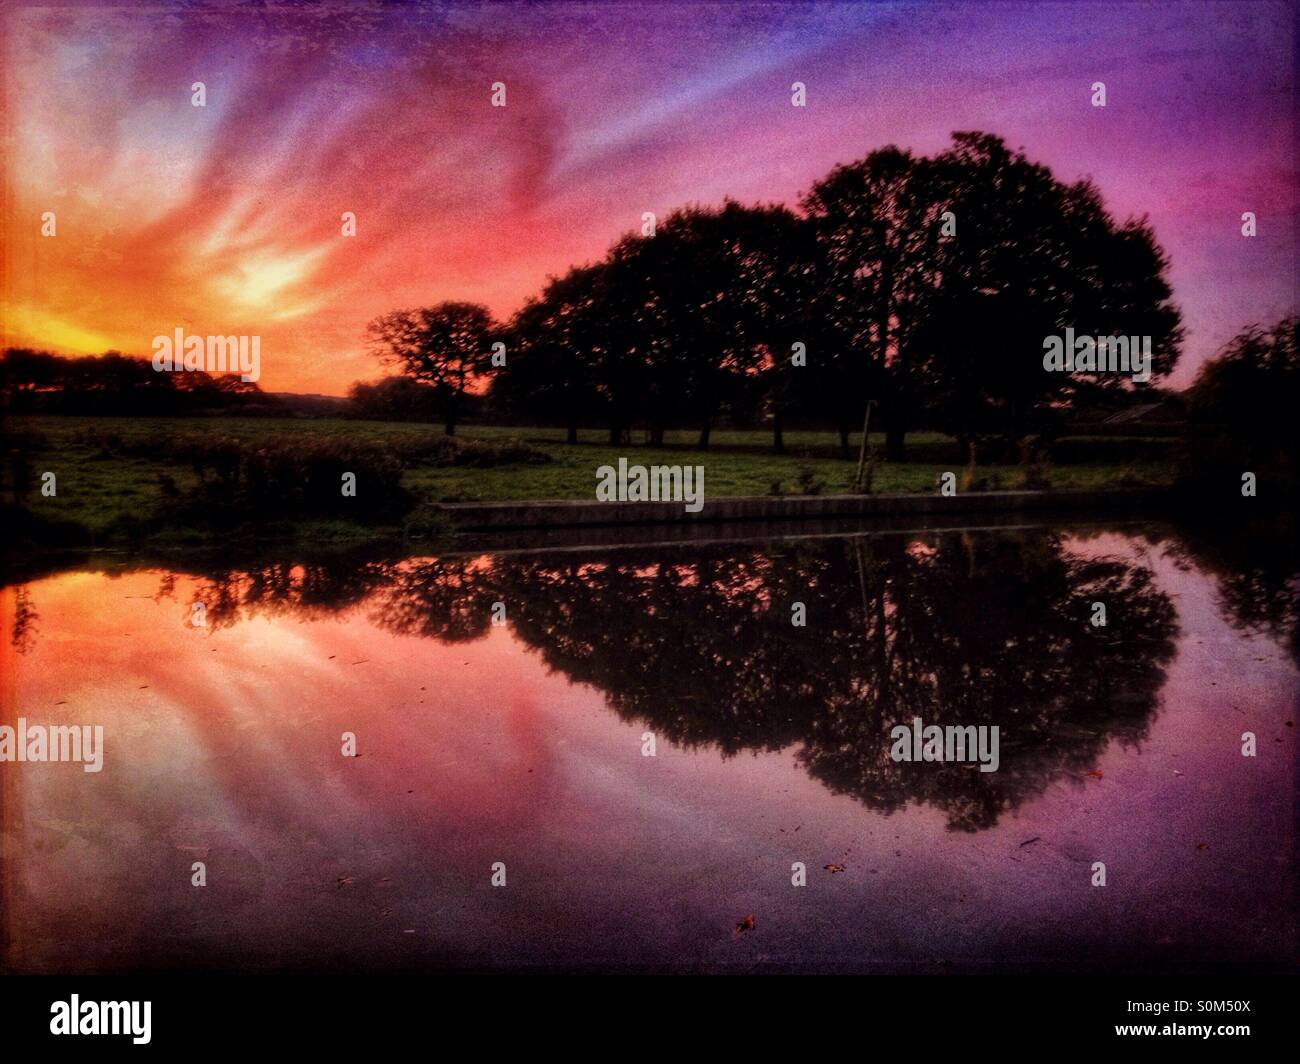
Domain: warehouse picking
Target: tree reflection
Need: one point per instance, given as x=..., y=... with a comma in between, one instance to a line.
x=696, y=643
x=958, y=629
x=1256, y=569
x=321, y=589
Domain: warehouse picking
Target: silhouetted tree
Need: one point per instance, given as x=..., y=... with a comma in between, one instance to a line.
x=1030, y=257
x=117, y=385
x=876, y=222
x=558, y=344
x=1242, y=409
x=957, y=318
x=711, y=300
x=446, y=346
x=395, y=399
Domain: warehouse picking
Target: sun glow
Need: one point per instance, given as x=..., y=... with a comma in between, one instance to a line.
x=263, y=279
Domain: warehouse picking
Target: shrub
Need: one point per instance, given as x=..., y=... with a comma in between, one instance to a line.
x=287, y=477
x=809, y=482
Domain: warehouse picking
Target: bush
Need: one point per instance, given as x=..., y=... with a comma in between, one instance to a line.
x=809, y=482
x=284, y=477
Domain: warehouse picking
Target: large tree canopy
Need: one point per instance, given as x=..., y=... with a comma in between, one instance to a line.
x=948, y=273
x=926, y=284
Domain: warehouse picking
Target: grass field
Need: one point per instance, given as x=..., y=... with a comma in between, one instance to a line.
x=100, y=489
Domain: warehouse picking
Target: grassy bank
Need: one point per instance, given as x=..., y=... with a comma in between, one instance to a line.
x=119, y=478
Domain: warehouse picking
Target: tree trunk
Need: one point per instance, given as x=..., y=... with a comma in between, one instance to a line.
x=895, y=445
x=615, y=434
x=572, y=437
x=895, y=409
x=844, y=441
x=778, y=433
x=705, y=429
x=451, y=426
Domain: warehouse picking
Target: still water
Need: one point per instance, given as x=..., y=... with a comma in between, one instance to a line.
x=524, y=743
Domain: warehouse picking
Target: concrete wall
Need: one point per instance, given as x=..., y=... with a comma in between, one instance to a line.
x=542, y=514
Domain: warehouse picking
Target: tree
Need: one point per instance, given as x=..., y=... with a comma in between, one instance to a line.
x=394, y=399
x=1242, y=409
x=705, y=305
x=557, y=343
x=943, y=277
x=876, y=222
x=114, y=384
x=445, y=346
x=1031, y=257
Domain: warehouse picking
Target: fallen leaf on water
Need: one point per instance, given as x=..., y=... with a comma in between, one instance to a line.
x=747, y=924
x=833, y=868
x=1202, y=845
x=1029, y=841
x=1095, y=774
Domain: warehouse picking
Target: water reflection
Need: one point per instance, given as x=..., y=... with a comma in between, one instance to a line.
x=223, y=746
x=1257, y=575
x=700, y=647
x=697, y=645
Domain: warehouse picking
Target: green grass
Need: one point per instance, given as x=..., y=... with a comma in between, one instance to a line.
x=99, y=492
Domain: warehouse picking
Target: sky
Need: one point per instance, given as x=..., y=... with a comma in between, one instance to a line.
x=227, y=218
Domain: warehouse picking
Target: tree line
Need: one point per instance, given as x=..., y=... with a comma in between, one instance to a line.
x=925, y=284
x=119, y=385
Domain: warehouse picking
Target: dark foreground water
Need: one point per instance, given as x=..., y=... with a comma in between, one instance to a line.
x=524, y=744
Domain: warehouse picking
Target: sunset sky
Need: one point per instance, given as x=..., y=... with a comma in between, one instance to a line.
x=226, y=218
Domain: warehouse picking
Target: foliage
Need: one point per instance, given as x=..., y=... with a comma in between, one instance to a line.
x=1242, y=412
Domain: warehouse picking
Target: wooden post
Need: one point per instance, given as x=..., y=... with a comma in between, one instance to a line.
x=862, y=451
